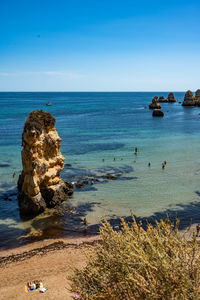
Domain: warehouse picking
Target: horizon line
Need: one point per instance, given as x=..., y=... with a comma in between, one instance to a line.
x=166, y=91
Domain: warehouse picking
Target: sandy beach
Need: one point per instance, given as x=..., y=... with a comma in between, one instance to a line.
x=49, y=261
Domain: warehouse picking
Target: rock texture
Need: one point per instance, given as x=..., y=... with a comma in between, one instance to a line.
x=197, y=97
x=162, y=99
x=158, y=113
x=197, y=94
x=171, y=98
x=39, y=184
x=154, y=103
x=189, y=99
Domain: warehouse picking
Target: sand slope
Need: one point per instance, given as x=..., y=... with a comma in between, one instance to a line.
x=50, y=262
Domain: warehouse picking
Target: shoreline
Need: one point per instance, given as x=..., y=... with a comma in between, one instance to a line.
x=45, y=246
x=146, y=191
x=76, y=239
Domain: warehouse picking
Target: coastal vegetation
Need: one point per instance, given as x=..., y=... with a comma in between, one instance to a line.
x=136, y=263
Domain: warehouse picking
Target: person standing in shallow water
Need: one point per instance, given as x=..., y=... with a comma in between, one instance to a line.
x=136, y=150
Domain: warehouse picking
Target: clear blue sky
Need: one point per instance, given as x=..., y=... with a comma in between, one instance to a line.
x=99, y=45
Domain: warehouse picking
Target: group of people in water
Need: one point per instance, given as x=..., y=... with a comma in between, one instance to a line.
x=149, y=164
x=136, y=152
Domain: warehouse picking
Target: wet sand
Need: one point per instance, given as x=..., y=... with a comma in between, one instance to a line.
x=49, y=261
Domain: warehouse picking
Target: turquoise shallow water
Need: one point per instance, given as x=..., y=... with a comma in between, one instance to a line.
x=96, y=126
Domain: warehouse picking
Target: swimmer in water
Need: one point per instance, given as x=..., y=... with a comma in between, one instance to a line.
x=149, y=164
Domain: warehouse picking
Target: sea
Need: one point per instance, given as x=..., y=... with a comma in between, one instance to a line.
x=100, y=131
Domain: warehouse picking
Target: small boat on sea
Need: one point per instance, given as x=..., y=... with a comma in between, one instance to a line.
x=48, y=104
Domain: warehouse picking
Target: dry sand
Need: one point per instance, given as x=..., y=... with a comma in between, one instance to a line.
x=49, y=261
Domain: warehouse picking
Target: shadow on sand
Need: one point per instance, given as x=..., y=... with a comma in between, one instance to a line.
x=68, y=221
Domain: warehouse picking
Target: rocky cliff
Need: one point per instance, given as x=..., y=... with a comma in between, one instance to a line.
x=39, y=184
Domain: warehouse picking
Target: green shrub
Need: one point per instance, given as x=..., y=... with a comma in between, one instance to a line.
x=133, y=263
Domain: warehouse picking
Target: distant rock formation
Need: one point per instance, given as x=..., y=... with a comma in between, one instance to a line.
x=197, y=97
x=162, y=99
x=158, y=113
x=171, y=98
x=154, y=103
x=197, y=94
x=39, y=184
x=189, y=99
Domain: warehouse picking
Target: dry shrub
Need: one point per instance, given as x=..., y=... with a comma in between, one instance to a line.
x=133, y=263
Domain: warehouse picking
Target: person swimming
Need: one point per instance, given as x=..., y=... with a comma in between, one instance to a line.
x=149, y=164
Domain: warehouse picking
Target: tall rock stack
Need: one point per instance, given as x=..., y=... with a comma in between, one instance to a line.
x=171, y=98
x=39, y=184
x=189, y=99
x=154, y=104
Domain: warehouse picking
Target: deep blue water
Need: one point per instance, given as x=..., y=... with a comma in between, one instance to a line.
x=96, y=126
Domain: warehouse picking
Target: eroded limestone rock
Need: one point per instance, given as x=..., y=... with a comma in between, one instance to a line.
x=162, y=99
x=171, y=98
x=197, y=97
x=39, y=184
x=158, y=113
x=154, y=103
x=189, y=99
